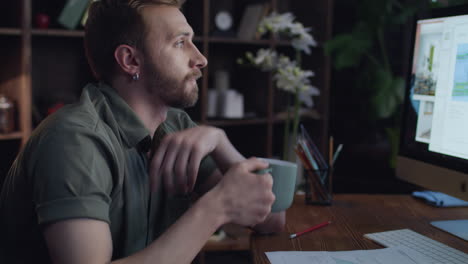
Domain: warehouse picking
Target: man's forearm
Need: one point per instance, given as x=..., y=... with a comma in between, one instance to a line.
x=225, y=154
x=186, y=237
x=89, y=241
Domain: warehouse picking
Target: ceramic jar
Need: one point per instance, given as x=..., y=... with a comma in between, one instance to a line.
x=7, y=116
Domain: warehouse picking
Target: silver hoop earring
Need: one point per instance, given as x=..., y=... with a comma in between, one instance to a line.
x=136, y=76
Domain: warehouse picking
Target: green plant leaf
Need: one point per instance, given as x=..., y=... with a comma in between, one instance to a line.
x=381, y=13
x=406, y=12
x=399, y=86
x=348, y=49
x=393, y=135
x=359, y=49
x=389, y=93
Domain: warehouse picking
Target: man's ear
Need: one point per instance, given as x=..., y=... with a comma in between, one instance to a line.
x=128, y=59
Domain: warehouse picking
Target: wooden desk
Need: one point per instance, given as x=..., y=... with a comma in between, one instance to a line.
x=352, y=216
x=237, y=239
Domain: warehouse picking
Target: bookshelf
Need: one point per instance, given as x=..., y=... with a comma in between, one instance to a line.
x=46, y=66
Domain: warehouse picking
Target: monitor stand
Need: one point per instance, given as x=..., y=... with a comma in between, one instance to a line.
x=458, y=228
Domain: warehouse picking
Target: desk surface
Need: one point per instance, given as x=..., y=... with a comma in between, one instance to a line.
x=352, y=216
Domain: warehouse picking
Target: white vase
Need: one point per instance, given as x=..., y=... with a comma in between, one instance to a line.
x=294, y=158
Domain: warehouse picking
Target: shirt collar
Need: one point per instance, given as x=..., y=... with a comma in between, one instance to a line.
x=132, y=130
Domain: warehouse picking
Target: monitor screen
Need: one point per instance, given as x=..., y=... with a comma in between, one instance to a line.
x=434, y=135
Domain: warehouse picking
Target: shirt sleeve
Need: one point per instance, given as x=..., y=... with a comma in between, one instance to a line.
x=71, y=177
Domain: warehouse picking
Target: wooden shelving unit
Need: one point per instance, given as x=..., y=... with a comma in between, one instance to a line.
x=10, y=31
x=46, y=66
x=236, y=122
x=10, y=136
x=235, y=41
x=58, y=33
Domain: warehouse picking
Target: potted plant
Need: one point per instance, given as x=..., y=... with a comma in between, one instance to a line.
x=365, y=49
x=287, y=72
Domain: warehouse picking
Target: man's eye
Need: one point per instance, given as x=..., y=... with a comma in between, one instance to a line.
x=179, y=44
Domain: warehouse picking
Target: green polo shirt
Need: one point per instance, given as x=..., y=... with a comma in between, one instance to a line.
x=88, y=160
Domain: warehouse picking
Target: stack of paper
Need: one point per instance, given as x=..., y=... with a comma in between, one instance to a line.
x=392, y=255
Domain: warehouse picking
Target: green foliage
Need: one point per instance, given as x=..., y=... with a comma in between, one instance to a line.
x=393, y=134
x=388, y=93
x=348, y=49
x=364, y=48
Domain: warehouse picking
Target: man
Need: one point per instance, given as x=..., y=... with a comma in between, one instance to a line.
x=80, y=191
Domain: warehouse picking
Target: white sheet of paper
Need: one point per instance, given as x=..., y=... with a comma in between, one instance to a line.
x=391, y=255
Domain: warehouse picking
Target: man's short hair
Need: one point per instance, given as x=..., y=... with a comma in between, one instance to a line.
x=112, y=23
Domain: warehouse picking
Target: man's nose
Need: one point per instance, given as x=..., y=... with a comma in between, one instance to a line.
x=199, y=60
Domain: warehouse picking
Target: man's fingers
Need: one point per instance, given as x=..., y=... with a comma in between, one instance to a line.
x=193, y=166
x=177, y=159
x=253, y=164
x=167, y=180
x=167, y=168
x=180, y=170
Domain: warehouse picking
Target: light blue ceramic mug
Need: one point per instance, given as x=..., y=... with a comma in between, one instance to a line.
x=284, y=182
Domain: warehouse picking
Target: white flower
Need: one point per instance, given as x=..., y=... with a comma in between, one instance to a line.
x=288, y=75
x=305, y=96
x=292, y=79
x=302, y=39
x=284, y=62
x=297, y=29
x=266, y=59
x=284, y=23
x=276, y=23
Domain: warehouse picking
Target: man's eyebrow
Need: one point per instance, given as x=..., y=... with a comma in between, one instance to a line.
x=183, y=34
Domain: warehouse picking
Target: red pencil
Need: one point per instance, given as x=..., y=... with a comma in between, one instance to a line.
x=310, y=229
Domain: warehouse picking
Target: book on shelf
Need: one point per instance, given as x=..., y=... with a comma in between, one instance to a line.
x=84, y=19
x=250, y=20
x=72, y=13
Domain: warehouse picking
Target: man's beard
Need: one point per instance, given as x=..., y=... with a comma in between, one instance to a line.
x=171, y=91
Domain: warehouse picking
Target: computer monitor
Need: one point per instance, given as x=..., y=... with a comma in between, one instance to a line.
x=434, y=135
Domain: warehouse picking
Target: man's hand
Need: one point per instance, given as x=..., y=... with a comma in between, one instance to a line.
x=247, y=196
x=176, y=161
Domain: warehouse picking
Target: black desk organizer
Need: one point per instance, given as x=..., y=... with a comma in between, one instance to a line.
x=318, y=186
